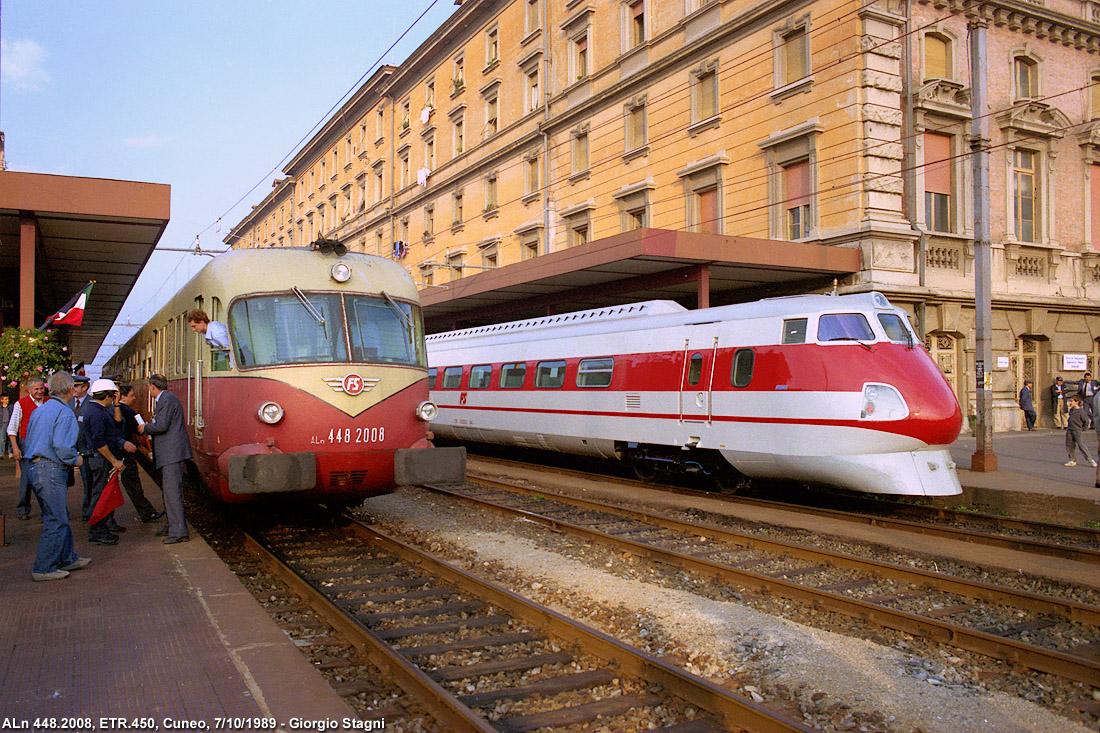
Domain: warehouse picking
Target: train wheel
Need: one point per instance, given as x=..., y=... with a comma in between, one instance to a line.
x=732, y=482
x=644, y=470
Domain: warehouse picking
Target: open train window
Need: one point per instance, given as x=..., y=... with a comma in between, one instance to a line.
x=844, y=327
x=452, y=378
x=550, y=374
x=511, y=375
x=794, y=331
x=595, y=372
x=743, y=361
x=431, y=377
x=695, y=369
x=480, y=376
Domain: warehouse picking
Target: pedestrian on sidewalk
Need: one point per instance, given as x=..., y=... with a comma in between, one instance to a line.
x=171, y=449
x=1087, y=388
x=50, y=444
x=1027, y=405
x=1078, y=424
x=1058, y=407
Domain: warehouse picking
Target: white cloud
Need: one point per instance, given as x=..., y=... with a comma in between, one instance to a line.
x=24, y=66
x=148, y=141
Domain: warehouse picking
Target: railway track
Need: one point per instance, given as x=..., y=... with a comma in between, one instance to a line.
x=1081, y=544
x=1035, y=631
x=482, y=658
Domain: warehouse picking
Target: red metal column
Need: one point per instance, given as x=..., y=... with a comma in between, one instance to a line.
x=28, y=235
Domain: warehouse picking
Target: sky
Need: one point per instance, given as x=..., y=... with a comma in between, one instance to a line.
x=212, y=97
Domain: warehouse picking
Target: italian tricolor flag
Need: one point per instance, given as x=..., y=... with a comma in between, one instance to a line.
x=72, y=313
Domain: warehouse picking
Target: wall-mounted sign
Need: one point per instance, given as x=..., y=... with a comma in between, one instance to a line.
x=1002, y=362
x=1075, y=362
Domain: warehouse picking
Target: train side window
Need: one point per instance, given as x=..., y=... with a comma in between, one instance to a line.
x=794, y=331
x=695, y=369
x=452, y=378
x=511, y=375
x=595, y=372
x=550, y=374
x=844, y=327
x=432, y=373
x=480, y=376
x=743, y=361
x=895, y=328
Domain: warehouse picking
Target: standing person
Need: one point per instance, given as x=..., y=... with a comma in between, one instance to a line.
x=108, y=445
x=131, y=479
x=17, y=431
x=1027, y=405
x=50, y=452
x=1077, y=425
x=170, y=448
x=79, y=404
x=1086, y=390
x=5, y=418
x=1058, y=407
x=216, y=334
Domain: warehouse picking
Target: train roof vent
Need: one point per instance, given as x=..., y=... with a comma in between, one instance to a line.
x=612, y=313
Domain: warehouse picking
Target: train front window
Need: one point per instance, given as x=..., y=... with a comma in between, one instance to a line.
x=285, y=329
x=844, y=327
x=895, y=328
x=385, y=330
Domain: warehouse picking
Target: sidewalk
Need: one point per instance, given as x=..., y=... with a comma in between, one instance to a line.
x=1031, y=479
x=148, y=630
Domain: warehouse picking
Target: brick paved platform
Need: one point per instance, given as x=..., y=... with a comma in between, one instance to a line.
x=147, y=630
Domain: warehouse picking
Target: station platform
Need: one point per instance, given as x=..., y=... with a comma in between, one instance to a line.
x=1031, y=480
x=147, y=632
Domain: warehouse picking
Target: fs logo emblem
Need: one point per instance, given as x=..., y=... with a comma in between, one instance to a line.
x=351, y=384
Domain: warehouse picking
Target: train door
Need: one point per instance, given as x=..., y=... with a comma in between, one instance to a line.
x=697, y=377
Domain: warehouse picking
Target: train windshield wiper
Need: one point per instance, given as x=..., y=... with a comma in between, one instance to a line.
x=310, y=308
x=852, y=338
x=400, y=314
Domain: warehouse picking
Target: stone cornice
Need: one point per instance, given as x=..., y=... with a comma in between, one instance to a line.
x=1029, y=19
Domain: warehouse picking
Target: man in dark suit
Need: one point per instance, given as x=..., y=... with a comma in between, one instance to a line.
x=1087, y=389
x=170, y=449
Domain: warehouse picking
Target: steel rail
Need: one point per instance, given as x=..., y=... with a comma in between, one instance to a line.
x=1036, y=602
x=734, y=711
x=1043, y=660
x=440, y=703
x=1080, y=554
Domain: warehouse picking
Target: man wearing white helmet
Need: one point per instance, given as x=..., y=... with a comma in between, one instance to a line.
x=107, y=443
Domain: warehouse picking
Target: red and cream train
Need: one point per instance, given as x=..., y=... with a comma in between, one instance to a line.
x=323, y=393
x=826, y=389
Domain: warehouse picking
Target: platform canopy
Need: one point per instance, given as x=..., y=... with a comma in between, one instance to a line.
x=59, y=232
x=698, y=270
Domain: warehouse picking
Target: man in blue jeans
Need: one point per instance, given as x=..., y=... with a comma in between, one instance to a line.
x=50, y=449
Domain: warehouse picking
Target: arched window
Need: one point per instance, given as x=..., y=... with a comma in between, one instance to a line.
x=1026, y=77
x=937, y=57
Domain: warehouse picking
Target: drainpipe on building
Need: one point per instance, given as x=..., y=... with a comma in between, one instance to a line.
x=547, y=206
x=908, y=164
x=984, y=459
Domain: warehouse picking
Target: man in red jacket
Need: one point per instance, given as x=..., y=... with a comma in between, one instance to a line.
x=17, y=431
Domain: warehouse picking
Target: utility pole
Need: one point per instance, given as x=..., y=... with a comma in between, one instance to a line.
x=984, y=459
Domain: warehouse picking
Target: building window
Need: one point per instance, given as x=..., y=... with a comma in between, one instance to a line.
x=703, y=189
x=492, y=46
x=937, y=57
x=791, y=157
x=1094, y=96
x=637, y=32
x=429, y=93
x=459, y=134
x=796, y=199
x=580, y=56
x=378, y=188
x=791, y=57
x=1094, y=208
x=458, y=79
x=403, y=230
x=378, y=238
x=406, y=115
x=937, y=182
x=379, y=124
x=579, y=151
x=1026, y=77
x=1025, y=195
x=635, y=118
x=531, y=184
x=704, y=97
x=489, y=255
x=529, y=244
x=532, y=96
x=429, y=152
x=579, y=228
x=531, y=20
x=457, y=216
x=491, y=192
x=427, y=275
x=491, y=111
x=403, y=168
x=634, y=206
x=454, y=264
x=429, y=221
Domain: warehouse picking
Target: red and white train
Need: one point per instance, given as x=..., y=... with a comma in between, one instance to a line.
x=827, y=389
x=323, y=391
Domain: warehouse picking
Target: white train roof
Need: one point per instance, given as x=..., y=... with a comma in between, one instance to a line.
x=654, y=314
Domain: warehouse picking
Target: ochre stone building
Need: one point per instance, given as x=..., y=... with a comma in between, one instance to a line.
x=523, y=127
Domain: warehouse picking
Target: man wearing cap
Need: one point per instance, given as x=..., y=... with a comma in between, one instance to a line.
x=216, y=334
x=50, y=452
x=107, y=443
x=170, y=448
x=1058, y=407
x=79, y=403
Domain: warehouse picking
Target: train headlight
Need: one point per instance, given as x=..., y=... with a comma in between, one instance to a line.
x=270, y=412
x=882, y=402
x=341, y=272
x=427, y=411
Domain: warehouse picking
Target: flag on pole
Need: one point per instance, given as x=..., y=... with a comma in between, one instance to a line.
x=72, y=313
x=109, y=500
